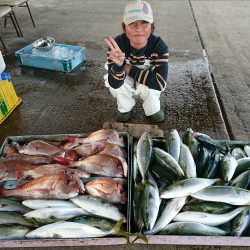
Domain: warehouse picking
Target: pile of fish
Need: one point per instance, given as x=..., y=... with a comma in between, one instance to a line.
x=75, y=187
x=191, y=185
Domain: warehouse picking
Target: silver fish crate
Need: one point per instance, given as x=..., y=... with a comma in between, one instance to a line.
x=108, y=240
x=158, y=239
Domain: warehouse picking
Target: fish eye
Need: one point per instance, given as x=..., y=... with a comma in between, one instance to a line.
x=67, y=182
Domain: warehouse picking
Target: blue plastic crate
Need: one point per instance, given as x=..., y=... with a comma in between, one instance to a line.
x=26, y=58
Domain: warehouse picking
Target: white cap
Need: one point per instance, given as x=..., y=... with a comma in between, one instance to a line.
x=137, y=10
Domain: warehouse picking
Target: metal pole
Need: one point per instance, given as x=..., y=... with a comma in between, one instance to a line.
x=15, y=23
x=2, y=43
x=30, y=14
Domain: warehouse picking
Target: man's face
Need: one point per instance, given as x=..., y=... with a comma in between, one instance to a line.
x=138, y=33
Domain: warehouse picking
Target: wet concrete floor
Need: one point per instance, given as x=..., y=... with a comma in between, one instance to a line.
x=224, y=26
x=55, y=102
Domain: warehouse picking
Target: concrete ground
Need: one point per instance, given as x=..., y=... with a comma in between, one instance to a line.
x=54, y=102
x=224, y=28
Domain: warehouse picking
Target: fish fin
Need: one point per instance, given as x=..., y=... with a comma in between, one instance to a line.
x=61, y=160
x=80, y=184
x=124, y=166
x=71, y=155
x=34, y=222
x=24, y=180
x=3, y=177
x=45, y=191
x=20, y=172
x=101, y=191
x=119, y=143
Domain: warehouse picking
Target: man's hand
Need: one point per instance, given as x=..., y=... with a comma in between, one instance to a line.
x=127, y=69
x=116, y=55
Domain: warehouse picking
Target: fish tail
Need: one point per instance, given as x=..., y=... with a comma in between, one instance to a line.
x=3, y=177
x=140, y=237
x=137, y=236
x=121, y=142
x=117, y=228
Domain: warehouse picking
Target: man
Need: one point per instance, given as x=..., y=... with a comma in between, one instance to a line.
x=137, y=63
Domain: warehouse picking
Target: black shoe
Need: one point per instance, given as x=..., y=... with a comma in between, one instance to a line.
x=123, y=117
x=157, y=117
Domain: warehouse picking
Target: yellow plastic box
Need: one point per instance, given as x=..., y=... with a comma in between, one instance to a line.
x=8, y=98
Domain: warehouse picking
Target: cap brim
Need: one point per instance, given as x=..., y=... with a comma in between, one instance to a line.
x=132, y=19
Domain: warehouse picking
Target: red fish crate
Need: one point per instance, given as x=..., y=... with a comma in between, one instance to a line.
x=123, y=206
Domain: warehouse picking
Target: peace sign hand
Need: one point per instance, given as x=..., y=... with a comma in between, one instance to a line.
x=116, y=55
